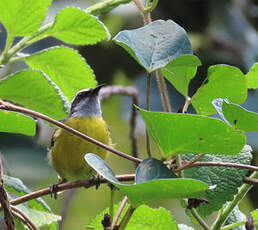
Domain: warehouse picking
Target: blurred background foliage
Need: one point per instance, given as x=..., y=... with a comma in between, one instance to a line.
x=221, y=31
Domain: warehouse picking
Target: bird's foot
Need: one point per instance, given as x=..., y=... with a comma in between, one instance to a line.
x=53, y=187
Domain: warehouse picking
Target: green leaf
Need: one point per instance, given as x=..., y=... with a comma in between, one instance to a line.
x=16, y=187
x=23, y=17
x=180, y=71
x=156, y=44
x=187, y=133
x=65, y=67
x=254, y=214
x=224, y=82
x=151, y=169
x=44, y=219
x=144, y=218
x=227, y=179
x=239, y=117
x=74, y=26
x=34, y=90
x=252, y=77
x=155, y=189
x=12, y=122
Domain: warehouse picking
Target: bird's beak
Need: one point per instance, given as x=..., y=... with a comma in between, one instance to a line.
x=96, y=90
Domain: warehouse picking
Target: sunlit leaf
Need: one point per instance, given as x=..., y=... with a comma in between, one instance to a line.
x=188, y=133
x=65, y=67
x=224, y=81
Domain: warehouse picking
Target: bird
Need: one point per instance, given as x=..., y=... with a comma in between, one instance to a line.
x=67, y=150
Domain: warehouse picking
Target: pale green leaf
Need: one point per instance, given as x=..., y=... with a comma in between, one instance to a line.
x=156, y=44
x=34, y=90
x=224, y=81
x=180, y=71
x=65, y=67
x=252, y=77
x=11, y=122
x=75, y=26
x=177, y=133
x=23, y=17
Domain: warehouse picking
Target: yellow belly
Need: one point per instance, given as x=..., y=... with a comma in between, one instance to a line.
x=67, y=154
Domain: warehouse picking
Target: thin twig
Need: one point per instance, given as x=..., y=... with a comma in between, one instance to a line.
x=199, y=219
x=66, y=204
x=148, y=108
x=189, y=163
x=108, y=91
x=146, y=15
x=252, y=181
x=119, y=212
x=221, y=164
x=26, y=219
x=66, y=186
x=186, y=105
x=11, y=107
x=8, y=216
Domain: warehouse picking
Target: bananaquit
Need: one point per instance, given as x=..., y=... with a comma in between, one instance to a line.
x=67, y=152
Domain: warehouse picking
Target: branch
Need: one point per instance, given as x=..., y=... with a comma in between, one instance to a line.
x=11, y=107
x=146, y=15
x=220, y=164
x=65, y=186
x=24, y=218
x=119, y=212
x=147, y=106
x=8, y=216
x=108, y=91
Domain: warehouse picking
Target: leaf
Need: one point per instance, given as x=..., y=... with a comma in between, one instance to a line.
x=188, y=133
x=180, y=71
x=34, y=90
x=158, y=219
x=254, y=214
x=236, y=216
x=16, y=187
x=154, y=189
x=23, y=17
x=36, y=209
x=252, y=77
x=156, y=44
x=44, y=219
x=12, y=122
x=74, y=26
x=227, y=179
x=65, y=67
x=239, y=117
x=151, y=169
x=224, y=82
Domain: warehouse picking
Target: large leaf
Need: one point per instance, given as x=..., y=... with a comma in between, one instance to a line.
x=252, y=77
x=34, y=90
x=187, y=133
x=227, y=179
x=154, y=189
x=156, y=44
x=180, y=71
x=11, y=122
x=74, y=26
x=65, y=67
x=239, y=117
x=224, y=81
x=158, y=219
x=22, y=17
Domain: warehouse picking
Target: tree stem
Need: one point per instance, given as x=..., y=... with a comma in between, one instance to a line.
x=232, y=204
